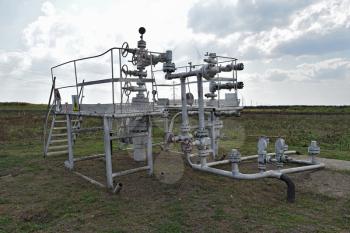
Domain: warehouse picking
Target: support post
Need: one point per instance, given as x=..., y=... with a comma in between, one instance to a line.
x=108, y=152
x=213, y=132
x=70, y=162
x=149, y=146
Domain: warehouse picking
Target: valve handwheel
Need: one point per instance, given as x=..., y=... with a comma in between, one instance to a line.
x=125, y=70
x=134, y=60
x=125, y=47
x=126, y=88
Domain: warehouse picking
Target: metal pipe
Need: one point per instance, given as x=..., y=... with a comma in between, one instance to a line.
x=126, y=172
x=149, y=147
x=201, y=122
x=184, y=126
x=70, y=163
x=302, y=169
x=89, y=179
x=108, y=152
x=226, y=161
x=89, y=157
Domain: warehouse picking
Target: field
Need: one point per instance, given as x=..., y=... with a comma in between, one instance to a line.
x=39, y=195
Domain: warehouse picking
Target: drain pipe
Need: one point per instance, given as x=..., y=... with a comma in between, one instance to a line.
x=290, y=188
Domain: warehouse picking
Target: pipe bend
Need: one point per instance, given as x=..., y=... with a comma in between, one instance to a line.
x=290, y=188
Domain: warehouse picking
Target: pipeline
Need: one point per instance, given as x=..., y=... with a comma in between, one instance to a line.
x=290, y=188
x=280, y=174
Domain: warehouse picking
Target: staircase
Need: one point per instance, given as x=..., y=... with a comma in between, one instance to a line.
x=57, y=142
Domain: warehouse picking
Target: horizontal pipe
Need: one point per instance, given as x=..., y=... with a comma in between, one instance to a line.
x=226, y=161
x=126, y=172
x=302, y=169
x=305, y=162
x=241, y=176
x=89, y=179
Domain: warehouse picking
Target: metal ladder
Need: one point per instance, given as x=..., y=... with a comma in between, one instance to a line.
x=57, y=140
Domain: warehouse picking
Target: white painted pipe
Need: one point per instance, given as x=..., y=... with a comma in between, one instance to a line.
x=302, y=169
x=226, y=161
x=90, y=180
x=126, y=172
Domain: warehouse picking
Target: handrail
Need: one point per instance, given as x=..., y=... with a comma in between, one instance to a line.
x=45, y=127
x=85, y=58
x=52, y=89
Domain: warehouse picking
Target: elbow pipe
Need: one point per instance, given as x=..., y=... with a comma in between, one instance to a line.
x=290, y=188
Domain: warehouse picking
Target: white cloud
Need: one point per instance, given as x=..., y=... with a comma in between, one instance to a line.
x=336, y=69
x=273, y=36
x=13, y=63
x=274, y=28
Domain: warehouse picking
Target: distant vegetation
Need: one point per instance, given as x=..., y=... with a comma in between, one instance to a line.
x=21, y=106
x=314, y=109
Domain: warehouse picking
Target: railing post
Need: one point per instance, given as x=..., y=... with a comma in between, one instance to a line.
x=112, y=63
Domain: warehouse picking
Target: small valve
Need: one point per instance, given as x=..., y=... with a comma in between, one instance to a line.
x=235, y=156
x=262, y=153
x=313, y=150
x=280, y=148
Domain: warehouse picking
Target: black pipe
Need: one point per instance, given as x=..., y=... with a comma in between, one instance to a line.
x=290, y=188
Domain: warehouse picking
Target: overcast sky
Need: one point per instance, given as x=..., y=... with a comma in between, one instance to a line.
x=295, y=52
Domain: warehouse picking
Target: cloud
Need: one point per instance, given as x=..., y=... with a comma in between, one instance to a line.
x=335, y=69
x=225, y=17
x=13, y=63
x=315, y=43
x=274, y=28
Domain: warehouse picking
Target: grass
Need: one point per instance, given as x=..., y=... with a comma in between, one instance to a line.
x=39, y=195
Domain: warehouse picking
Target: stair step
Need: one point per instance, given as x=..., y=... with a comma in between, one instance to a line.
x=58, y=147
x=65, y=121
x=63, y=152
x=58, y=140
x=59, y=135
x=59, y=128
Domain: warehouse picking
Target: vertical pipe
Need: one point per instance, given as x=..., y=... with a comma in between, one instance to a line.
x=212, y=139
x=112, y=63
x=201, y=123
x=149, y=146
x=184, y=127
x=174, y=92
x=200, y=103
x=152, y=81
x=120, y=82
x=108, y=152
x=70, y=161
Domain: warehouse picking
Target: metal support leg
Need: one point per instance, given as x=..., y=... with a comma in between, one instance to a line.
x=213, y=132
x=70, y=162
x=108, y=152
x=149, y=146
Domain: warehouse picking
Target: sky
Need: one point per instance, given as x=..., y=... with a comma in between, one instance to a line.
x=295, y=52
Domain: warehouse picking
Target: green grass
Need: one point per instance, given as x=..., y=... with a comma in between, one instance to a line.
x=38, y=194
